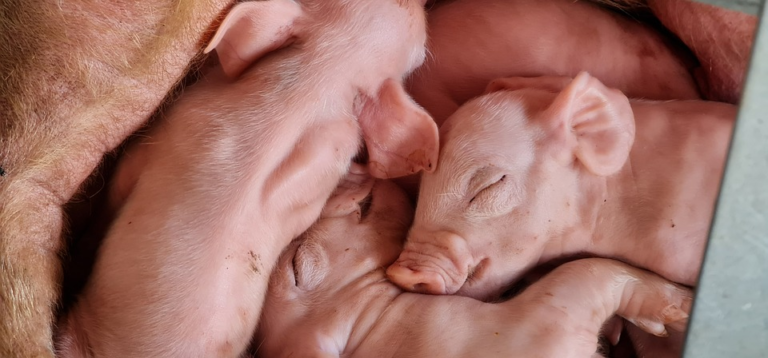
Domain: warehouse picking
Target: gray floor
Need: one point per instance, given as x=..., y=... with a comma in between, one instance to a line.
x=748, y=6
x=730, y=317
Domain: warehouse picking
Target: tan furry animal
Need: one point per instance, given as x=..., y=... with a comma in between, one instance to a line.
x=77, y=77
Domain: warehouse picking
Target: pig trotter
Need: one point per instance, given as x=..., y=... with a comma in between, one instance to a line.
x=642, y=298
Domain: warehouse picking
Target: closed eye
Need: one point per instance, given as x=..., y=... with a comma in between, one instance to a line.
x=365, y=205
x=310, y=264
x=501, y=180
x=295, y=268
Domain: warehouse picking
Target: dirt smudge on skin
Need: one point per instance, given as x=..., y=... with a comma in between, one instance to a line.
x=254, y=261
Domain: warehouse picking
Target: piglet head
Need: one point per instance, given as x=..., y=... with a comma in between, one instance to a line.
x=507, y=191
x=325, y=279
x=373, y=39
x=366, y=48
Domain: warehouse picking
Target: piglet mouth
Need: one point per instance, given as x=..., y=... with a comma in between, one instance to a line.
x=480, y=283
x=475, y=272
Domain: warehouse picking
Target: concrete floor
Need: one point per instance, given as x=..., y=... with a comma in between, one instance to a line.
x=730, y=316
x=748, y=6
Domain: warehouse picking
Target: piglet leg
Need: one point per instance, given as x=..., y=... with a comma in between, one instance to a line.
x=582, y=295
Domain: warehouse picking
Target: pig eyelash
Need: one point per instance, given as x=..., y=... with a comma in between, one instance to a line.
x=365, y=205
x=362, y=155
x=295, y=270
x=488, y=187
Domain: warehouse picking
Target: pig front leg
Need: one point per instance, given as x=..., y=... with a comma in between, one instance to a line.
x=77, y=78
x=560, y=315
x=582, y=295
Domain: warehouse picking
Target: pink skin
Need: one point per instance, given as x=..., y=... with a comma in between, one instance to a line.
x=552, y=167
x=475, y=41
x=242, y=164
x=329, y=297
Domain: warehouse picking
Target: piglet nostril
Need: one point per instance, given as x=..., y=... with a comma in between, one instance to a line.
x=416, y=280
x=434, y=262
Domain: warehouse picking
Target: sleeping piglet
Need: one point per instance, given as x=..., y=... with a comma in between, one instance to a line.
x=243, y=163
x=472, y=42
x=551, y=167
x=329, y=296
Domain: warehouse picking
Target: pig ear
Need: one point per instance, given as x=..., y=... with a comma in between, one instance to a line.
x=353, y=188
x=597, y=124
x=549, y=83
x=251, y=30
x=401, y=137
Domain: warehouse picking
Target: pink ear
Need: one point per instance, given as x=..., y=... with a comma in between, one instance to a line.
x=353, y=188
x=401, y=137
x=549, y=83
x=596, y=124
x=251, y=30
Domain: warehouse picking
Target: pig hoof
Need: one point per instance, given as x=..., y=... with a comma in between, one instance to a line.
x=673, y=314
x=612, y=329
x=677, y=317
x=419, y=281
x=653, y=327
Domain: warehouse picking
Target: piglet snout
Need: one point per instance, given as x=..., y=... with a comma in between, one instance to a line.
x=436, y=263
x=416, y=280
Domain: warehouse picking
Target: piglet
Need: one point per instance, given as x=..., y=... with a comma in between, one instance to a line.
x=475, y=41
x=243, y=163
x=329, y=296
x=550, y=167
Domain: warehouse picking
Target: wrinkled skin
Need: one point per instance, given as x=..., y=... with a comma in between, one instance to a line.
x=77, y=78
x=329, y=297
x=550, y=167
x=219, y=187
